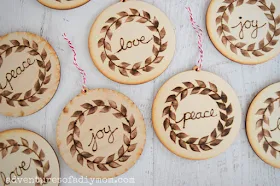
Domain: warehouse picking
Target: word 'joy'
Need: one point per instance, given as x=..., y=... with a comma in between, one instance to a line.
x=248, y=25
x=101, y=134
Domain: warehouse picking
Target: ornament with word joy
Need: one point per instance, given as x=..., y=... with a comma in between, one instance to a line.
x=27, y=160
x=29, y=73
x=245, y=31
x=132, y=42
x=101, y=133
x=263, y=125
x=196, y=115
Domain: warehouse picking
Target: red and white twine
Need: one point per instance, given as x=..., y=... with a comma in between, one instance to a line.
x=199, y=32
x=82, y=72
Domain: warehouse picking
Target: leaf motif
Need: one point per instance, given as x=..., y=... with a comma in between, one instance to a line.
x=156, y=40
x=225, y=28
x=102, y=167
x=27, y=151
x=103, y=56
x=40, y=174
x=231, y=8
x=104, y=29
x=163, y=47
x=152, y=28
x=225, y=17
x=133, y=134
x=201, y=83
x=216, y=142
x=162, y=33
x=269, y=16
x=81, y=118
x=148, y=68
x=182, y=135
x=10, y=102
x=214, y=134
x=108, y=47
x=123, y=72
x=48, y=66
x=233, y=48
x=155, y=22
x=184, y=94
x=8, y=52
x=105, y=109
x=77, y=131
x=239, y=2
x=229, y=121
x=14, y=149
x=114, y=165
x=16, y=96
x=111, y=20
x=203, y=140
x=172, y=115
x=195, y=90
x=24, y=142
x=166, y=123
x=73, y=150
x=146, y=15
x=80, y=159
x=260, y=112
x=225, y=132
x=260, y=136
x=194, y=148
x=205, y=91
x=121, y=151
x=273, y=153
x=183, y=144
x=46, y=167
x=78, y=144
x=245, y=53
x=129, y=19
x=191, y=140
x=90, y=165
x=126, y=128
x=47, y=79
x=174, y=127
x=173, y=136
x=98, y=159
x=86, y=155
x=110, y=158
x=101, y=42
x=126, y=140
x=218, y=20
x=131, y=147
x=220, y=30
x=142, y=20
x=118, y=24
x=266, y=133
x=69, y=138
x=222, y=9
x=77, y=113
x=4, y=153
x=257, y=53
x=205, y=147
x=134, y=11
x=252, y=2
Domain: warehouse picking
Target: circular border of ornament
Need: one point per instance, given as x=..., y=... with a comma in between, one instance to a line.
x=42, y=163
x=240, y=52
x=141, y=72
x=72, y=120
x=48, y=75
x=172, y=136
x=261, y=108
x=57, y=4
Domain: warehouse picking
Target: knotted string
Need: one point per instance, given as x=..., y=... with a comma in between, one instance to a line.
x=199, y=32
x=82, y=72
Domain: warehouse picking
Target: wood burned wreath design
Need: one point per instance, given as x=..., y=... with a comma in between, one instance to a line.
x=207, y=142
x=252, y=49
x=43, y=76
x=159, y=46
x=41, y=162
x=263, y=124
x=113, y=160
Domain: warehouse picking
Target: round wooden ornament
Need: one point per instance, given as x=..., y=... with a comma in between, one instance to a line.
x=247, y=38
x=196, y=114
x=63, y=4
x=27, y=159
x=101, y=133
x=132, y=42
x=29, y=73
x=263, y=125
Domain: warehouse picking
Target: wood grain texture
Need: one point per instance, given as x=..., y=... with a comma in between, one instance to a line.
x=238, y=166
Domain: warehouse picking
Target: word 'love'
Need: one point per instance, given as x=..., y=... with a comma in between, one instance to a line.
x=16, y=73
x=129, y=44
x=101, y=134
x=247, y=25
x=196, y=116
x=17, y=172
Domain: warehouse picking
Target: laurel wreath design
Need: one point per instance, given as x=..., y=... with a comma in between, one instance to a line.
x=252, y=49
x=205, y=143
x=263, y=124
x=114, y=160
x=43, y=77
x=41, y=162
x=159, y=46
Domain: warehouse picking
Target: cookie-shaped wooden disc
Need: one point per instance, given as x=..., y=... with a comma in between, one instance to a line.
x=132, y=42
x=101, y=133
x=29, y=73
x=27, y=159
x=196, y=115
x=263, y=125
x=63, y=4
x=245, y=31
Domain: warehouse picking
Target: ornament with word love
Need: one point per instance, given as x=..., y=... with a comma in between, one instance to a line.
x=263, y=125
x=132, y=42
x=29, y=73
x=63, y=4
x=101, y=133
x=245, y=31
x=27, y=159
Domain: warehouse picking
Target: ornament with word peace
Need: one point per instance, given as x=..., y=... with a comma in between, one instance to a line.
x=101, y=133
x=63, y=4
x=132, y=42
x=196, y=114
x=29, y=73
x=263, y=125
x=27, y=159
x=245, y=37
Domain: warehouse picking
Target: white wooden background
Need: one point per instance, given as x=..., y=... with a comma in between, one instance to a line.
x=238, y=166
